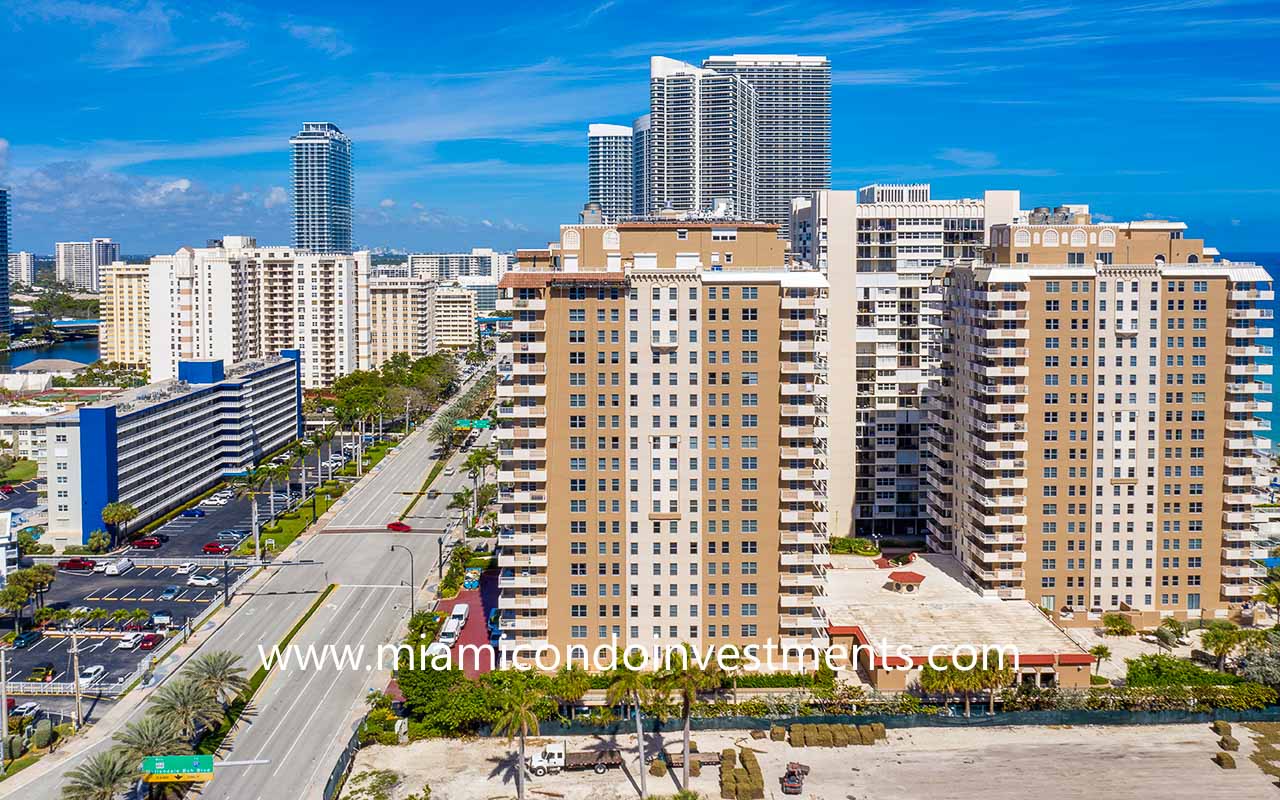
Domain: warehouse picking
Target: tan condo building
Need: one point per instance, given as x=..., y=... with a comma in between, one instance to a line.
x=1096, y=437
x=125, y=333
x=454, y=318
x=664, y=420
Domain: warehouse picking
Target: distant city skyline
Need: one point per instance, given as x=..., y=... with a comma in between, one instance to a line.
x=162, y=129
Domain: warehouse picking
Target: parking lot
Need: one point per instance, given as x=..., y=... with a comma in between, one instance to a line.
x=140, y=588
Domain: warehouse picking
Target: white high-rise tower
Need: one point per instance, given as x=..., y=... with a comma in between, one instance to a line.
x=322, y=189
x=609, y=169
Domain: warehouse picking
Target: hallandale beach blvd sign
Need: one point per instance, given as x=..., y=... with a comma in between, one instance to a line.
x=177, y=769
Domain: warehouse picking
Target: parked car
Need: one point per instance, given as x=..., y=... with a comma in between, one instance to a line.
x=25, y=710
x=432, y=494
x=150, y=641
x=100, y=566
x=217, y=548
x=202, y=580
x=119, y=567
x=192, y=512
x=7, y=489
x=77, y=564
x=187, y=567
x=448, y=471
x=230, y=536
x=554, y=758
x=163, y=538
x=26, y=639
x=147, y=543
x=138, y=625
x=398, y=526
x=43, y=673
x=214, y=500
x=169, y=593
x=90, y=674
x=129, y=641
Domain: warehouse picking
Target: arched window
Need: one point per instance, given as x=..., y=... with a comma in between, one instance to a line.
x=1022, y=238
x=611, y=239
x=572, y=240
x=1107, y=238
x=1193, y=259
x=1051, y=238
x=1078, y=238
x=1160, y=260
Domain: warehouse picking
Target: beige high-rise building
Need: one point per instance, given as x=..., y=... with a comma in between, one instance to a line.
x=1098, y=440
x=454, y=315
x=401, y=317
x=663, y=440
x=125, y=333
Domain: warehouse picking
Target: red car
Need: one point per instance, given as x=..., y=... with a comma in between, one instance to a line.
x=398, y=527
x=147, y=543
x=138, y=625
x=77, y=563
x=217, y=548
x=150, y=641
x=7, y=489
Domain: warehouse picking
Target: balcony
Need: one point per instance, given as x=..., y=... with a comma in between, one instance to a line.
x=802, y=496
x=1244, y=572
x=1253, y=424
x=1248, y=443
x=803, y=621
x=523, y=623
x=522, y=581
x=528, y=326
x=804, y=559
x=1248, y=481
x=803, y=538
x=1249, y=369
x=517, y=539
x=511, y=348
x=798, y=367
x=526, y=390
x=804, y=346
x=1243, y=499
x=522, y=412
x=522, y=497
x=1244, y=553
x=1249, y=331
x=1244, y=517
x=798, y=600
x=1011, y=594
x=1250, y=313
x=1252, y=294
x=809, y=324
x=522, y=454
x=802, y=579
x=819, y=641
x=823, y=517
x=802, y=452
x=520, y=560
x=798, y=410
x=789, y=303
x=518, y=602
x=996, y=297
x=516, y=304
x=806, y=474
x=511, y=476
x=996, y=372
x=1247, y=406
x=792, y=389
x=1236, y=462
x=999, y=556
x=1005, y=334
x=1003, y=314
x=1001, y=574
x=1239, y=591
x=1250, y=351
x=523, y=518
x=538, y=368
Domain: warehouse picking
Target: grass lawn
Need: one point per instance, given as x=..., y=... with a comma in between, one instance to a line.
x=1266, y=740
x=285, y=530
x=431, y=476
x=22, y=470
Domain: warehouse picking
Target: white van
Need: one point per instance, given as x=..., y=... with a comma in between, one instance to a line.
x=460, y=612
x=451, y=630
x=119, y=567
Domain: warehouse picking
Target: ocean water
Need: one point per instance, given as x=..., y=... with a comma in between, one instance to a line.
x=1272, y=263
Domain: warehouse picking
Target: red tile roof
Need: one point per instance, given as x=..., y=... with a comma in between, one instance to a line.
x=906, y=576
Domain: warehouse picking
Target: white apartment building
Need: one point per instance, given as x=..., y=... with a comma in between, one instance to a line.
x=447, y=266
x=454, y=312
x=243, y=301
x=81, y=263
x=22, y=268
x=880, y=248
x=158, y=446
x=401, y=318
x=23, y=427
x=124, y=336
x=609, y=170
x=793, y=127
x=702, y=146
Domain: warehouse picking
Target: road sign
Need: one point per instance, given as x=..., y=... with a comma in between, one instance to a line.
x=173, y=769
x=462, y=424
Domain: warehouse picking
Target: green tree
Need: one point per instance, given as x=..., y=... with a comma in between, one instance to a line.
x=1269, y=593
x=1100, y=653
x=517, y=717
x=1221, y=638
x=250, y=485
x=685, y=677
x=569, y=685
x=628, y=685
x=219, y=673
x=187, y=706
x=147, y=737
x=994, y=673
x=476, y=464
x=101, y=776
x=14, y=599
x=99, y=542
x=1117, y=625
x=118, y=516
x=441, y=433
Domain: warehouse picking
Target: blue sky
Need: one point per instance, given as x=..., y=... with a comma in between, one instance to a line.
x=166, y=123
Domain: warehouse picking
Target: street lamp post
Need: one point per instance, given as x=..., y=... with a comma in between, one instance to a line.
x=413, y=585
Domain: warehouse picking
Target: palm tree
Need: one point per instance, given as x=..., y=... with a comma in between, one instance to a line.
x=995, y=674
x=14, y=599
x=42, y=577
x=220, y=673
x=569, y=685
x=322, y=438
x=120, y=616
x=1100, y=653
x=442, y=431
x=1269, y=594
x=1220, y=638
x=938, y=680
x=517, y=717
x=461, y=501
x=629, y=685
x=102, y=776
x=250, y=485
x=687, y=679
x=300, y=454
x=187, y=706
x=117, y=516
x=150, y=736
x=476, y=463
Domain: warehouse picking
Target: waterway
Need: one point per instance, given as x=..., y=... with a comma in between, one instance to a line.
x=83, y=350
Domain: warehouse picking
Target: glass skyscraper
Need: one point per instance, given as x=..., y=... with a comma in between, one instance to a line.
x=6, y=318
x=322, y=189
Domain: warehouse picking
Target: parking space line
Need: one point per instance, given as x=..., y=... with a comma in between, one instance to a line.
x=181, y=595
x=147, y=595
x=108, y=596
x=129, y=594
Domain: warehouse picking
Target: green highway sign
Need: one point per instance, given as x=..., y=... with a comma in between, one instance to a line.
x=178, y=765
x=468, y=424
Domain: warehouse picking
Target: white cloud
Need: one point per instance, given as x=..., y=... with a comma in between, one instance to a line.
x=276, y=196
x=155, y=194
x=387, y=202
x=973, y=159
x=320, y=37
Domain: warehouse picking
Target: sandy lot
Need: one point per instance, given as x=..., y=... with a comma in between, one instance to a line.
x=926, y=763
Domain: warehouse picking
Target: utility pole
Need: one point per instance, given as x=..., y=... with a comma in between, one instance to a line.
x=226, y=583
x=4, y=702
x=413, y=584
x=75, y=670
